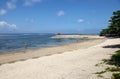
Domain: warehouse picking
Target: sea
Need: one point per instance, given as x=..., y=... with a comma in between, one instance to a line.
x=22, y=41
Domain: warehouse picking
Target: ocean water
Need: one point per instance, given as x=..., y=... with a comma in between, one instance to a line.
x=13, y=42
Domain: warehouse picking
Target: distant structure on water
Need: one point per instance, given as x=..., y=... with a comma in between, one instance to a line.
x=76, y=33
x=59, y=33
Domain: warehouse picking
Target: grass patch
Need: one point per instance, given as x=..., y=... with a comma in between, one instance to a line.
x=116, y=58
x=101, y=76
x=99, y=64
x=101, y=72
x=113, y=69
x=115, y=76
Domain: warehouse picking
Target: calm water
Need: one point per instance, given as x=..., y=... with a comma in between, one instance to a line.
x=13, y=42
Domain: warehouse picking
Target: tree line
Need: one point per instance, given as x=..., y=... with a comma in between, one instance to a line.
x=113, y=30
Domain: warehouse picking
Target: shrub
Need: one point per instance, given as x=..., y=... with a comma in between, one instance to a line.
x=116, y=76
x=116, y=58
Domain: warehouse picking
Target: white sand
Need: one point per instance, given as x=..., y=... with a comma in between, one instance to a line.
x=77, y=64
x=77, y=36
x=35, y=53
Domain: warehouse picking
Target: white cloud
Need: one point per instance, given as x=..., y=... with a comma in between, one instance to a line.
x=60, y=13
x=11, y=4
x=4, y=24
x=2, y=11
x=31, y=2
x=80, y=20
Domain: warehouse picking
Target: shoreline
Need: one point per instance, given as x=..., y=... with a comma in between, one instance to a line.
x=75, y=64
x=55, y=37
x=39, y=52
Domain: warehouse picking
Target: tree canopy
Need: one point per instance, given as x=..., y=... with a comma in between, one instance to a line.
x=113, y=29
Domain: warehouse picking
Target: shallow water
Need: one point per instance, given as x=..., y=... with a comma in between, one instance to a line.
x=13, y=42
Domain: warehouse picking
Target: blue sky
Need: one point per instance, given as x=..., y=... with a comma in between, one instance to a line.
x=52, y=16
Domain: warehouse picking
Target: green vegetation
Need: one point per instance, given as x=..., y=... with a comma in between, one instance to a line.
x=101, y=72
x=99, y=64
x=115, y=76
x=113, y=69
x=113, y=29
x=116, y=58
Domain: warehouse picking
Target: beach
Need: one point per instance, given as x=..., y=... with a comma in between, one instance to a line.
x=72, y=61
x=38, y=52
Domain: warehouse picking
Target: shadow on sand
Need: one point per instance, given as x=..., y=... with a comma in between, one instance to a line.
x=112, y=46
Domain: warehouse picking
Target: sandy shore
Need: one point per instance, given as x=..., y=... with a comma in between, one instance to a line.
x=76, y=36
x=73, y=64
x=35, y=53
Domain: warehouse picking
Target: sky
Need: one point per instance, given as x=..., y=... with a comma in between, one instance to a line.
x=52, y=16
